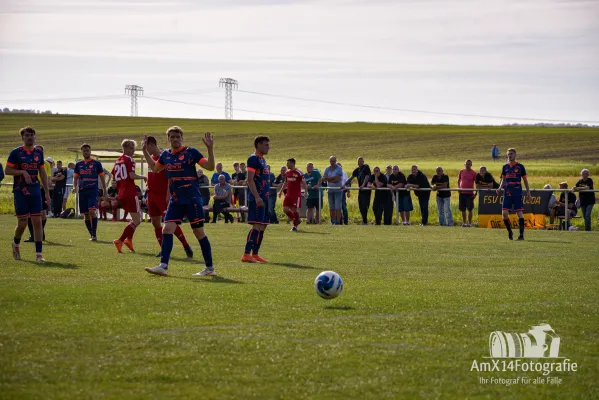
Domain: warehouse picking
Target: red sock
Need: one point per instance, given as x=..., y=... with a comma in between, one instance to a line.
x=181, y=236
x=158, y=233
x=296, y=219
x=289, y=214
x=128, y=231
x=114, y=212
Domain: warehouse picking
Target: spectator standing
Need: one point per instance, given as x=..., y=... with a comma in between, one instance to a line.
x=70, y=172
x=233, y=182
x=277, y=185
x=60, y=182
x=313, y=206
x=242, y=176
x=388, y=172
x=332, y=176
x=204, y=185
x=344, y=197
x=495, y=153
x=272, y=198
x=587, y=199
x=219, y=172
x=466, y=180
x=441, y=181
x=222, y=199
x=484, y=180
x=417, y=180
x=559, y=210
x=382, y=198
x=397, y=180
x=362, y=174
x=1, y=172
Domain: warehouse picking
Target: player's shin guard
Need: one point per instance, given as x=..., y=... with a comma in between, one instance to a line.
x=167, y=247
x=94, y=226
x=181, y=236
x=158, y=234
x=38, y=247
x=88, y=225
x=256, y=248
x=206, y=251
x=251, y=241
x=508, y=225
x=128, y=231
x=521, y=226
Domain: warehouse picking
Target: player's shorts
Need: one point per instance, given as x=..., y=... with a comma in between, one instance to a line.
x=313, y=203
x=157, y=204
x=193, y=210
x=88, y=200
x=28, y=204
x=466, y=202
x=129, y=204
x=512, y=202
x=292, y=202
x=258, y=215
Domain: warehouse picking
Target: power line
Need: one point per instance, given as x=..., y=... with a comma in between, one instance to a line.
x=411, y=110
x=242, y=110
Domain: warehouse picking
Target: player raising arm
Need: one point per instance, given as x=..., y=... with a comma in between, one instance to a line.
x=186, y=201
x=23, y=163
x=512, y=175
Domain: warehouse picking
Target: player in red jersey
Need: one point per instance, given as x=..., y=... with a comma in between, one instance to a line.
x=294, y=183
x=125, y=176
x=158, y=198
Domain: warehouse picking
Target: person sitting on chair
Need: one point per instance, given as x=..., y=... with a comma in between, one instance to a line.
x=222, y=198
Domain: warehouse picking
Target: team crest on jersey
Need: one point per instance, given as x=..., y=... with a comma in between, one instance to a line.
x=36, y=158
x=181, y=157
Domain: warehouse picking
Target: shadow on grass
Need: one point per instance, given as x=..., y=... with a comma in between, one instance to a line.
x=57, y=244
x=313, y=233
x=103, y=242
x=208, y=279
x=341, y=308
x=186, y=260
x=289, y=265
x=50, y=264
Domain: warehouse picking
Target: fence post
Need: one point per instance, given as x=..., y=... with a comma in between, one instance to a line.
x=566, y=211
x=319, y=206
x=397, y=207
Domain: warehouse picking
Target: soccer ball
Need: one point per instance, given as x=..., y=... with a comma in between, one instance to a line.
x=328, y=285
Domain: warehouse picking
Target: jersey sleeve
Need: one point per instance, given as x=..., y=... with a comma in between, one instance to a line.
x=13, y=159
x=253, y=164
x=503, y=172
x=161, y=162
x=523, y=171
x=77, y=169
x=130, y=165
x=99, y=168
x=195, y=156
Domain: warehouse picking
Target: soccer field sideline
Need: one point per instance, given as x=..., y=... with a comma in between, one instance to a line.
x=418, y=306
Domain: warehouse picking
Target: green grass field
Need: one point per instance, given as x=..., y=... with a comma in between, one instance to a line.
x=417, y=309
x=551, y=155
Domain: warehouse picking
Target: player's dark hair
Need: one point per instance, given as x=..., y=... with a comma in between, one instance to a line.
x=151, y=140
x=174, y=129
x=84, y=145
x=291, y=160
x=27, y=129
x=260, y=139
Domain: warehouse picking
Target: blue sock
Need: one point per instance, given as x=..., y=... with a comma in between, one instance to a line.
x=251, y=242
x=521, y=223
x=94, y=226
x=206, y=251
x=88, y=225
x=258, y=242
x=167, y=247
x=38, y=247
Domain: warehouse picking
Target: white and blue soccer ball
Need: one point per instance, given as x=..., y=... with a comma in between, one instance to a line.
x=328, y=285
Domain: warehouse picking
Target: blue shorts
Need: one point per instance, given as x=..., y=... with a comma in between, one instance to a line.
x=26, y=203
x=335, y=199
x=404, y=203
x=512, y=202
x=88, y=200
x=193, y=210
x=258, y=215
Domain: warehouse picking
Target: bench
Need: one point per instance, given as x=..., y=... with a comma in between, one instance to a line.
x=562, y=219
x=241, y=209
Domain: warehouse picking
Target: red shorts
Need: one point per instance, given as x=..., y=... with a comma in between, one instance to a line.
x=156, y=205
x=293, y=202
x=129, y=204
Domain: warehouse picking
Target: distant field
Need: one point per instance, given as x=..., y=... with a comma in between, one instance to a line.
x=417, y=308
x=551, y=155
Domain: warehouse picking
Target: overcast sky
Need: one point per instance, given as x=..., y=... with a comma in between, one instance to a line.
x=513, y=58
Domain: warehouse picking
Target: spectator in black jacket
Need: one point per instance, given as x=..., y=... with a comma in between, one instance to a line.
x=362, y=174
x=417, y=180
x=382, y=198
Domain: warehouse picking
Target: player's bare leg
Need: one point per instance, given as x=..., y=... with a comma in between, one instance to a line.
x=19, y=230
x=38, y=235
x=294, y=215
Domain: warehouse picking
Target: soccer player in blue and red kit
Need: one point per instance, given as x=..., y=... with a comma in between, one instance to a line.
x=512, y=175
x=186, y=200
x=24, y=163
x=259, y=184
x=85, y=180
